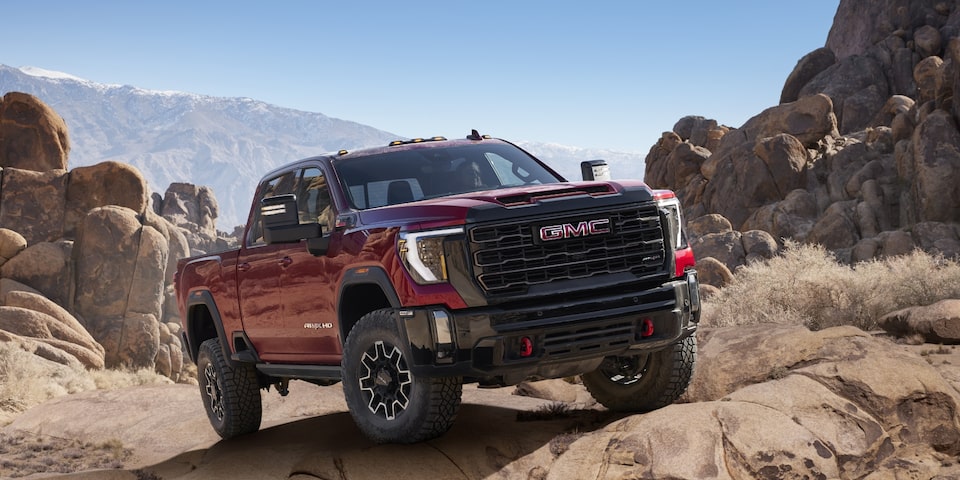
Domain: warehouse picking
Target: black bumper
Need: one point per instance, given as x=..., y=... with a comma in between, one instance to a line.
x=562, y=337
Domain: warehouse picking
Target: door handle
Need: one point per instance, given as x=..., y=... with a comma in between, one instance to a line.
x=243, y=267
x=285, y=262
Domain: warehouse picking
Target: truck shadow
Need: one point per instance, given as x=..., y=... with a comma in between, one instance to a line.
x=484, y=440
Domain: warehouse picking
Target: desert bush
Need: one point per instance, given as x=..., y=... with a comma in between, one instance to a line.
x=27, y=380
x=806, y=285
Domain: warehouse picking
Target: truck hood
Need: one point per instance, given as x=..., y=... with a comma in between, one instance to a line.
x=505, y=203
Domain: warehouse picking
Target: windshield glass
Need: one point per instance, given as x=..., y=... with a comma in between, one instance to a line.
x=410, y=175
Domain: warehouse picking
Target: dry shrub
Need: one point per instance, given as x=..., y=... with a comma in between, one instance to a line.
x=27, y=380
x=806, y=285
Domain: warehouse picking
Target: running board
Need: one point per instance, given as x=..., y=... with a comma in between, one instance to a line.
x=313, y=372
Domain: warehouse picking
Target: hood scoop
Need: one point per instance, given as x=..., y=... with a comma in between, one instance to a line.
x=594, y=190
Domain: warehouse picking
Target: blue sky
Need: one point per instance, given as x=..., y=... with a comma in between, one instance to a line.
x=605, y=74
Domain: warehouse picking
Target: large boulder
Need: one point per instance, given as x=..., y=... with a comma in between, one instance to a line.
x=120, y=283
x=106, y=183
x=936, y=166
x=851, y=77
x=937, y=323
x=32, y=203
x=32, y=135
x=808, y=67
x=11, y=243
x=46, y=329
x=45, y=267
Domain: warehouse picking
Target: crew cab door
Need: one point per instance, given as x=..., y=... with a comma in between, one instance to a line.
x=288, y=314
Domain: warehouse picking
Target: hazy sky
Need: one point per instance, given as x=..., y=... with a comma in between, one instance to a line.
x=602, y=74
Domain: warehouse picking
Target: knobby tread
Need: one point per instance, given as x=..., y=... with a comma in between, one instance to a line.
x=242, y=405
x=434, y=405
x=669, y=376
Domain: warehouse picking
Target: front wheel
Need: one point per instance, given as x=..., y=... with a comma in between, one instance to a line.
x=231, y=395
x=387, y=401
x=644, y=382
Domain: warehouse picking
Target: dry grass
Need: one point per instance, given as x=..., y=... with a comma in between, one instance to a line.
x=24, y=454
x=27, y=380
x=807, y=286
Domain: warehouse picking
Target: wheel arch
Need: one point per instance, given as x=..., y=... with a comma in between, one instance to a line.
x=362, y=291
x=203, y=322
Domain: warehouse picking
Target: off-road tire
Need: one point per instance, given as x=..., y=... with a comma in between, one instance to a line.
x=231, y=395
x=388, y=403
x=644, y=382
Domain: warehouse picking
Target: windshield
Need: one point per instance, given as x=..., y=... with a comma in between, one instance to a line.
x=410, y=175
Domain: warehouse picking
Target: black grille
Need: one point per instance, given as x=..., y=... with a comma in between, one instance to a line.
x=508, y=258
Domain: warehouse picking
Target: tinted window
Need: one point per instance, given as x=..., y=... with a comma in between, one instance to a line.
x=437, y=172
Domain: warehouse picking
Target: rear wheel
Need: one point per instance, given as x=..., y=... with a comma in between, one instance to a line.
x=231, y=395
x=387, y=401
x=645, y=382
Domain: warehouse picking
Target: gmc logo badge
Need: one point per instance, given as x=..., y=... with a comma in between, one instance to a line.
x=585, y=228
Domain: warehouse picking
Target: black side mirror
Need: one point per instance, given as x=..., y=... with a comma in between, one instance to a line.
x=281, y=222
x=595, y=170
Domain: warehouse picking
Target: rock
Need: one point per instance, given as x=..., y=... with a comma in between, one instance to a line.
x=758, y=244
x=792, y=218
x=195, y=209
x=721, y=369
x=927, y=41
x=837, y=228
x=809, y=119
x=726, y=247
x=106, y=183
x=120, y=284
x=45, y=267
x=936, y=192
x=655, y=173
x=33, y=203
x=46, y=329
x=711, y=271
x=808, y=67
x=786, y=161
x=39, y=303
x=33, y=136
x=707, y=224
x=708, y=440
x=937, y=323
x=925, y=75
x=895, y=105
x=849, y=77
x=684, y=162
x=11, y=243
x=555, y=390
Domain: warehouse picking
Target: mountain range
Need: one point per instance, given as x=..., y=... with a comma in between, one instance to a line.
x=224, y=143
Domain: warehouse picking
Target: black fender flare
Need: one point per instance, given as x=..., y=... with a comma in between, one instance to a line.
x=365, y=276
x=190, y=334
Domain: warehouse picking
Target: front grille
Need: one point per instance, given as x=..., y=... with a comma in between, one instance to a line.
x=508, y=258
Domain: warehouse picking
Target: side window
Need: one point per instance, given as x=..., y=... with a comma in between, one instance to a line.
x=313, y=199
x=274, y=186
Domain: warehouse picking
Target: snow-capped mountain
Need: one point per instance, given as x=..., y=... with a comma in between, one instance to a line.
x=224, y=143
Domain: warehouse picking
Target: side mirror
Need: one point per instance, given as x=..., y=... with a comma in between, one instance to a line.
x=595, y=170
x=281, y=222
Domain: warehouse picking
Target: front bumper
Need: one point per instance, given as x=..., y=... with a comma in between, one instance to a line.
x=552, y=338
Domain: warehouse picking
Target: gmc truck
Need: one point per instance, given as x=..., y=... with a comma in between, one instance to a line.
x=408, y=270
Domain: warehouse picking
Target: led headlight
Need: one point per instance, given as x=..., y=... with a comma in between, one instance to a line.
x=670, y=207
x=422, y=254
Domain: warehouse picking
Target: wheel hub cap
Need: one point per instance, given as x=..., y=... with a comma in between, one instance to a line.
x=212, y=389
x=385, y=380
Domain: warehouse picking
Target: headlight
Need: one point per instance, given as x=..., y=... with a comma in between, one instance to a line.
x=670, y=208
x=422, y=254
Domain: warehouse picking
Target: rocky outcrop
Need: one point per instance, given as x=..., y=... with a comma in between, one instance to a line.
x=32, y=136
x=937, y=323
x=861, y=156
x=194, y=210
x=88, y=242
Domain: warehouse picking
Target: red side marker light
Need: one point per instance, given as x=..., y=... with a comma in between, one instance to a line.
x=646, y=329
x=526, y=347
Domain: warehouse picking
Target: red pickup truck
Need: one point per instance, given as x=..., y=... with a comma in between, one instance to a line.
x=408, y=270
